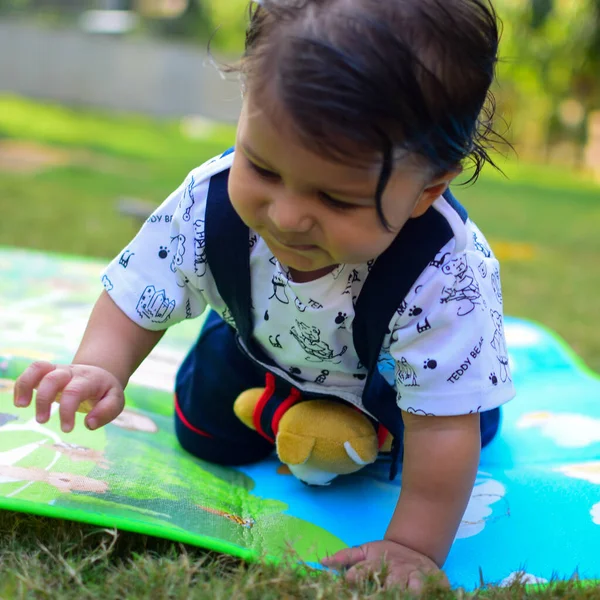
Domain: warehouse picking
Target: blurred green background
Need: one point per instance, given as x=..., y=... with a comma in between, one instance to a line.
x=67, y=170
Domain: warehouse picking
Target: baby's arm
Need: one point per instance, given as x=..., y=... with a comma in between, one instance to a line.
x=112, y=341
x=112, y=348
x=441, y=456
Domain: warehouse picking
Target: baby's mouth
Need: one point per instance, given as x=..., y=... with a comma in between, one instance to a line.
x=294, y=245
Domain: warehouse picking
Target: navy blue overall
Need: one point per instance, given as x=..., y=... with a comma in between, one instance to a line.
x=218, y=369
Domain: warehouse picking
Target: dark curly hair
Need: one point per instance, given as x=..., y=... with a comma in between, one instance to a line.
x=385, y=77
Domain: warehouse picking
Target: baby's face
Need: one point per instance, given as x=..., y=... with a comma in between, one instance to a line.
x=314, y=213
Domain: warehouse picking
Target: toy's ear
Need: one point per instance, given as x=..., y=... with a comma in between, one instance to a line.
x=364, y=453
x=294, y=449
x=245, y=404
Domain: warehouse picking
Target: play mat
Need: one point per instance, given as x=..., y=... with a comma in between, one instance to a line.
x=535, y=506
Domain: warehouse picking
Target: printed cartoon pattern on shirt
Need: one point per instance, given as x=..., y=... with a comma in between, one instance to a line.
x=465, y=289
x=353, y=277
x=481, y=247
x=482, y=268
x=402, y=308
x=309, y=337
x=188, y=200
x=496, y=284
x=274, y=341
x=125, y=258
x=199, y=248
x=498, y=343
x=107, y=283
x=279, y=292
x=301, y=307
x=177, y=249
x=405, y=373
x=423, y=326
x=468, y=362
x=322, y=378
x=440, y=260
x=430, y=363
x=154, y=305
x=419, y=411
x=340, y=320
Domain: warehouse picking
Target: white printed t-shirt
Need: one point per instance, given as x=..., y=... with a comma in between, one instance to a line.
x=445, y=353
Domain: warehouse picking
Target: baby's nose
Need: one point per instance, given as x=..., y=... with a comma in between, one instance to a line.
x=289, y=214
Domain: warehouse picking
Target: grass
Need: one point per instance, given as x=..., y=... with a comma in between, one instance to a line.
x=40, y=558
x=543, y=223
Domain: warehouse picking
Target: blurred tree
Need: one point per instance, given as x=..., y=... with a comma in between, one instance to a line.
x=198, y=20
x=193, y=22
x=549, y=74
x=161, y=9
x=550, y=64
x=229, y=19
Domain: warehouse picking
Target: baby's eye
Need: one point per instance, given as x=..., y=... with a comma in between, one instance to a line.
x=338, y=204
x=264, y=173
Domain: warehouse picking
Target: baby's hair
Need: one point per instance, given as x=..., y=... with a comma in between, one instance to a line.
x=386, y=77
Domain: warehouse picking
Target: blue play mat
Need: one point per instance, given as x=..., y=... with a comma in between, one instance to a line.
x=535, y=506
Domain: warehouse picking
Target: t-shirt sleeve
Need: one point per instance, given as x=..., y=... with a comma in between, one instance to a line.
x=446, y=352
x=157, y=279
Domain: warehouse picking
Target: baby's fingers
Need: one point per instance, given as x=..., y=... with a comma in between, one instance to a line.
x=345, y=558
x=80, y=395
x=47, y=391
x=108, y=409
x=29, y=380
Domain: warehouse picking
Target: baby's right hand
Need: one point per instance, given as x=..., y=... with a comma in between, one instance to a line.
x=77, y=387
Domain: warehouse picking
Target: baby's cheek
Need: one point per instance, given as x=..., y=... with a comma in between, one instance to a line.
x=245, y=202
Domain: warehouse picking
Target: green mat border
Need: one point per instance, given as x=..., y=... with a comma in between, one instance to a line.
x=137, y=527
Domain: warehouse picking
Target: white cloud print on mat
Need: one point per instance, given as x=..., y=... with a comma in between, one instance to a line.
x=588, y=471
x=480, y=512
x=568, y=430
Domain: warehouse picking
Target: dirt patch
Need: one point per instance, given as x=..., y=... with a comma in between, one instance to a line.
x=17, y=156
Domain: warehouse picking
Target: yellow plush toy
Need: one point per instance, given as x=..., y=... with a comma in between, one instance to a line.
x=318, y=439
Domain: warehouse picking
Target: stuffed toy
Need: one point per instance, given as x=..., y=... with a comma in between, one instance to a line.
x=319, y=439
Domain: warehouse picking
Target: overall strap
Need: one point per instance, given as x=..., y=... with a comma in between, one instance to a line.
x=228, y=254
x=392, y=276
x=394, y=273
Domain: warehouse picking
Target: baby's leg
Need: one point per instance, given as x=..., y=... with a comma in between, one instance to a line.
x=211, y=377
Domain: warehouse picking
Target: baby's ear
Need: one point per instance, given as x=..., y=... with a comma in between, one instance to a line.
x=433, y=191
x=245, y=404
x=294, y=449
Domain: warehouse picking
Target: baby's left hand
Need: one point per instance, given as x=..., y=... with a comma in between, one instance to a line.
x=405, y=567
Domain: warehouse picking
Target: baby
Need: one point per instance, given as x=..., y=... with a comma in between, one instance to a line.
x=333, y=258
